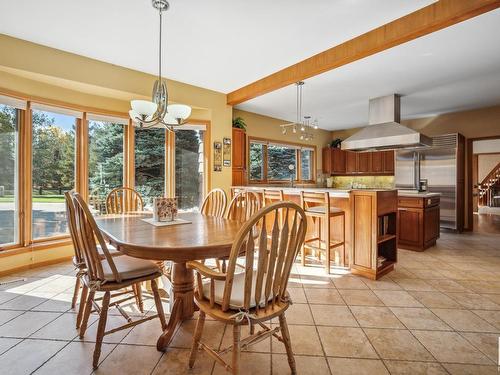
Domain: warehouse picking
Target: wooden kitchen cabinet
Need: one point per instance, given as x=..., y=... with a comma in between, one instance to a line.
x=388, y=161
x=327, y=160
x=364, y=162
x=377, y=162
x=239, y=154
x=418, y=219
x=333, y=160
x=351, y=162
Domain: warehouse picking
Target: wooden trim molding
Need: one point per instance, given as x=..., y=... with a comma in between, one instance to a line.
x=429, y=19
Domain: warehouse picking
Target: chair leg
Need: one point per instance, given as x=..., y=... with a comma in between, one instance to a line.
x=327, y=242
x=138, y=296
x=236, y=349
x=288, y=345
x=81, y=308
x=303, y=259
x=159, y=305
x=101, y=328
x=196, y=338
x=78, y=283
x=86, y=313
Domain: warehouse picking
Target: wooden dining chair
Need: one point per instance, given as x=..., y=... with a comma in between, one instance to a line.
x=243, y=205
x=79, y=262
x=259, y=293
x=122, y=200
x=214, y=203
x=108, y=275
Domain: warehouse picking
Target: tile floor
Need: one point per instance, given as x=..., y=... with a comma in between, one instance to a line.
x=437, y=313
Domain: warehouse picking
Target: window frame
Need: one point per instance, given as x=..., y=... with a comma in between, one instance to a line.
x=298, y=148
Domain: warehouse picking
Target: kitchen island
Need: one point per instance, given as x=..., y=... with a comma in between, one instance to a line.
x=370, y=225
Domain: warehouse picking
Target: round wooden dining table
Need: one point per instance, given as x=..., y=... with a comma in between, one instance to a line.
x=202, y=238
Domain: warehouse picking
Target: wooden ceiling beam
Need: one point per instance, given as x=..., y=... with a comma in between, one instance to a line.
x=424, y=21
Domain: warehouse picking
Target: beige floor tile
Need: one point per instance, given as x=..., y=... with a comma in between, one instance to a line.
x=59, y=303
x=349, y=282
x=299, y=313
x=75, y=358
x=447, y=286
x=493, y=297
x=485, y=342
x=492, y=317
x=7, y=296
x=464, y=320
x=456, y=369
x=250, y=364
x=397, y=344
x=313, y=281
x=130, y=359
x=346, y=342
x=419, y=318
x=63, y=328
x=474, y=301
x=146, y=333
x=332, y=315
x=7, y=343
x=323, y=296
x=27, y=301
x=6, y=315
x=450, y=347
x=297, y=295
x=212, y=334
x=428, y=274
x=305, y=341
x=397, y=298
x=414, y=368
x=175, y=362
x=27, y=323
x=360, y=297
x=384, y=283
x=352, y=366
x=481, y=286
x=28, y=355
x=414, y=285
x=376, y=317
x=305, y=365
x=435, y=299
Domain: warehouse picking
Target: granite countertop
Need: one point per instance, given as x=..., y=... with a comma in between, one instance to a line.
x=335, y=193
x=420, y=194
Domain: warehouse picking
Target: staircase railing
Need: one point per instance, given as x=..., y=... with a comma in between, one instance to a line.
x=486, y=187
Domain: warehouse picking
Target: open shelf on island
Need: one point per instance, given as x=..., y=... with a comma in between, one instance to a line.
x=385, y=237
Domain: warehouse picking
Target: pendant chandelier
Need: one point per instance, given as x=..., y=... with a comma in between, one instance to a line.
x=148, y=114
x=302, y=124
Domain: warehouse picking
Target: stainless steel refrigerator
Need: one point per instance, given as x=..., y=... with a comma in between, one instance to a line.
x=441, y=166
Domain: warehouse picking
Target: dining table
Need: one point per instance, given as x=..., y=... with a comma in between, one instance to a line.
x=199, y=237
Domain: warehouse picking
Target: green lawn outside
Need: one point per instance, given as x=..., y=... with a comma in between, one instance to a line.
x=36, y=199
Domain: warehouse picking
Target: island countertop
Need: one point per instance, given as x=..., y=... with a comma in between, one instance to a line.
x=420, y=194
x=334, y=193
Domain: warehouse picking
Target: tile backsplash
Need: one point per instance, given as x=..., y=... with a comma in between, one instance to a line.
x=375, y=182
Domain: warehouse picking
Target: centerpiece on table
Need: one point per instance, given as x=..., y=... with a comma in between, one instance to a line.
x=164, y=209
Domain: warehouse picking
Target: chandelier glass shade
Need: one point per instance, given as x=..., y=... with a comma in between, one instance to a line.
x=302, y=125
x=158, y=112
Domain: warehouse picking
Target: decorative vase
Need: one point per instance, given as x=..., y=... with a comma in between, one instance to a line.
x=165, y=209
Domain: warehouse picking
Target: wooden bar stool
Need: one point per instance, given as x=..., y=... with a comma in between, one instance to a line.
x=317, y=207
x=272, y=196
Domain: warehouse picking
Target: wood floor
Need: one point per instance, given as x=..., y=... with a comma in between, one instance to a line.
x=484, y=223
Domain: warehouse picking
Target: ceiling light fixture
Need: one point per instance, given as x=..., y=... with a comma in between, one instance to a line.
x=148, y=114
x=302, y=123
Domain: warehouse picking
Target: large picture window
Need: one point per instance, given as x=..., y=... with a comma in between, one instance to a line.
x=150, y=163
x=189, y=168
x=9, y=213
x=272, y=161
x=105, y=159
x=53, y=160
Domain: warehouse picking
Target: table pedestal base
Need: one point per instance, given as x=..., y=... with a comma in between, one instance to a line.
x=183, y=303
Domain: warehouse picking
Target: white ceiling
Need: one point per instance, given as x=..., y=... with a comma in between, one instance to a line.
x=454, y=69
x=217, y=44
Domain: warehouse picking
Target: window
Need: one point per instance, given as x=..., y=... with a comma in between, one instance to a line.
x=53, y=158
x=273, y=161
x=150, y=163
x=105, y=160
x=189, y=168
x=9, y=213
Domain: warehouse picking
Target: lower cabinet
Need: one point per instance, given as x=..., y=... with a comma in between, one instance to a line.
x=418, y=222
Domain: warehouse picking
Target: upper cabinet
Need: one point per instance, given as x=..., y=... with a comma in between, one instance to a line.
x=337, y=161
x=239, y=154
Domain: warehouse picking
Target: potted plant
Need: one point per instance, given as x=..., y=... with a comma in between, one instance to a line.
x=239, y=123
x=336, y=143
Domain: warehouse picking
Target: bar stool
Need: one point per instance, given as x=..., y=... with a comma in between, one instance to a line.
x=317, y=207
x=272, y=196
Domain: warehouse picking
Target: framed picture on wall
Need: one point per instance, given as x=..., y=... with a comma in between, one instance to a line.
x=217, y=156
x=226, y=152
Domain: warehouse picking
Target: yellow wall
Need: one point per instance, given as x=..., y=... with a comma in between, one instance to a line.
x=269, y=127
x=482, y=122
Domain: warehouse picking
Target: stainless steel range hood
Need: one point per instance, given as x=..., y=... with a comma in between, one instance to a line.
x=384, y=131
